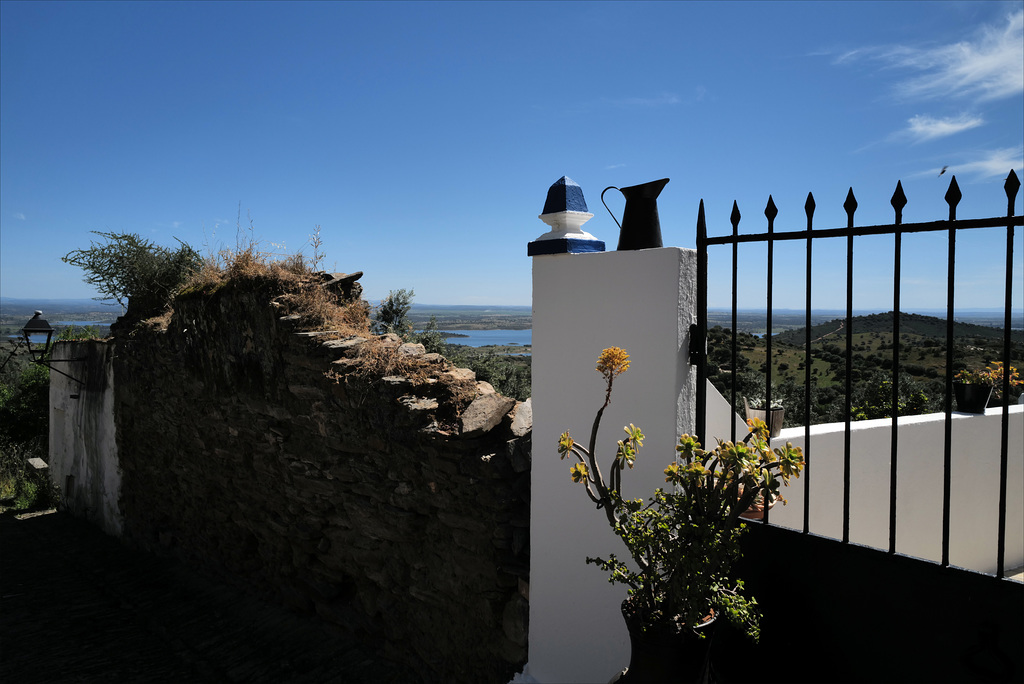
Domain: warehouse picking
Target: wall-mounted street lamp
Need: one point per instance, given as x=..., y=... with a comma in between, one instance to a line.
x=39, y=326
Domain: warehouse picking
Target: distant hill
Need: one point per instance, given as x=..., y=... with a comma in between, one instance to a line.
x=910, y=324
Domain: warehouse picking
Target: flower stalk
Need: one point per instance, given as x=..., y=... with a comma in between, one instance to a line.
x=684, y=541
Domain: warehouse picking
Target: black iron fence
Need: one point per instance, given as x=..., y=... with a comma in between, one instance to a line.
x=950, y=226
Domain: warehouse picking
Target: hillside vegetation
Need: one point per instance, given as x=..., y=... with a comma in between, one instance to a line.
x=922, y=364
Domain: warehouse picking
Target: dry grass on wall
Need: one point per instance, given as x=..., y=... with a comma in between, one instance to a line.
x=300, y=284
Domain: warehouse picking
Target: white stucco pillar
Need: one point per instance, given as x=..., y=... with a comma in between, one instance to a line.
x=83, y=441
x=642, y=301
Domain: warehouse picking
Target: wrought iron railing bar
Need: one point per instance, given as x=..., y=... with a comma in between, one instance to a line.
x=700, y=344
x=808, y=362
x=952, y=198
x=734, y=218
x=886, y=229
x=1011, y=186
x=898, y=228
x=850, y=206
x=898, y=201
x=770, y=212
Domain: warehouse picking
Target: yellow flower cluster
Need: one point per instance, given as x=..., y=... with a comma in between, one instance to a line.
x=613, y=361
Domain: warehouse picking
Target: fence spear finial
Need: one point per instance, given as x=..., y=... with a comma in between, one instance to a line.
x=702, y=226
x=953, y=197
x=850, y=205
x=898, y=201
x=1012, y=185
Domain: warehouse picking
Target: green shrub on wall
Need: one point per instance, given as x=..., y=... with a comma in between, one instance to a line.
x=140, y=275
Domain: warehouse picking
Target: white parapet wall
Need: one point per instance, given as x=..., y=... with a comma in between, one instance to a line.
x=644, y=302
x=974, y=490
x=83, y=445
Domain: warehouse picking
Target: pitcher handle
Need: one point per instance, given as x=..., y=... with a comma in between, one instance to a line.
x=610, y=187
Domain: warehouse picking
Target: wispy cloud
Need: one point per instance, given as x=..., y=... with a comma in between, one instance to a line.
x=923, y=127
x=988, y=66
x=994, y=163
x=18, y=215
x=613, y=166
x=983, y=164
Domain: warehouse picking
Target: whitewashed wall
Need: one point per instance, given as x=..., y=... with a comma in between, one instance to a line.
x=82, y=437
x=974, y=489
x=643, y=301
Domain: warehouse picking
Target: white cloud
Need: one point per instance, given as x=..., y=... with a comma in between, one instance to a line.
x=984, y=164
x=988, y=66
x=18, y=215
x=994, y=163
x=923, y=127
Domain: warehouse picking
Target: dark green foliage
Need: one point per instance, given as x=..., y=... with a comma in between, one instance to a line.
x=140, y=275
x=431, y=338
x=922, y=348
x=24, y=434
x=393, y=314
x=75, y=332
x=509, y=375
x=873, y=398
x=25, y=406
x=21, y=486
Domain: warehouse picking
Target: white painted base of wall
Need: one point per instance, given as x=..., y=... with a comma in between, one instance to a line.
x=83, y=445
x=974, y=491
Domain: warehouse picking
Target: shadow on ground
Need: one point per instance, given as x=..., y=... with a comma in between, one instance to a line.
x=76, y=606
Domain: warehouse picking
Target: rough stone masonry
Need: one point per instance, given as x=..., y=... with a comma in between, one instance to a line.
x=393, y=505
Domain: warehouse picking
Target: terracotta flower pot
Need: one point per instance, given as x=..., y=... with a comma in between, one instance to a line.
x=756, y=510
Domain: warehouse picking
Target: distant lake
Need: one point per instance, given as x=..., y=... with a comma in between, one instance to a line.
x=41, y=339
x=482, y=338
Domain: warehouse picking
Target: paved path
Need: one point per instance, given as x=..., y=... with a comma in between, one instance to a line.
x=77, y=606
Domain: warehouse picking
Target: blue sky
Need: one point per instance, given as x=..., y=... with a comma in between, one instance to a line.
x=422, y=137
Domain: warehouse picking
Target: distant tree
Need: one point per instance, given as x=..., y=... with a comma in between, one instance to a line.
x=430, y=337
x=143, y=277
x=873, y=398
x=392, y=315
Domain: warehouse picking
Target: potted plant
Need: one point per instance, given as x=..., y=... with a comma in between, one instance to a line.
x=756, y=406
x=684, y=541
x=773, y=416
x=973, y=388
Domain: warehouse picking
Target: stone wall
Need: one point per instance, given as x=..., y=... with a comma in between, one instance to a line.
x=393, y=504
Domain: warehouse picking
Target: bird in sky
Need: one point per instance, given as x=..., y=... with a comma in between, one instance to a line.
x=943, y=169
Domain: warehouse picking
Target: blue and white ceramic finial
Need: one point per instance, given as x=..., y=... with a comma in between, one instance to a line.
x=565, y=210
